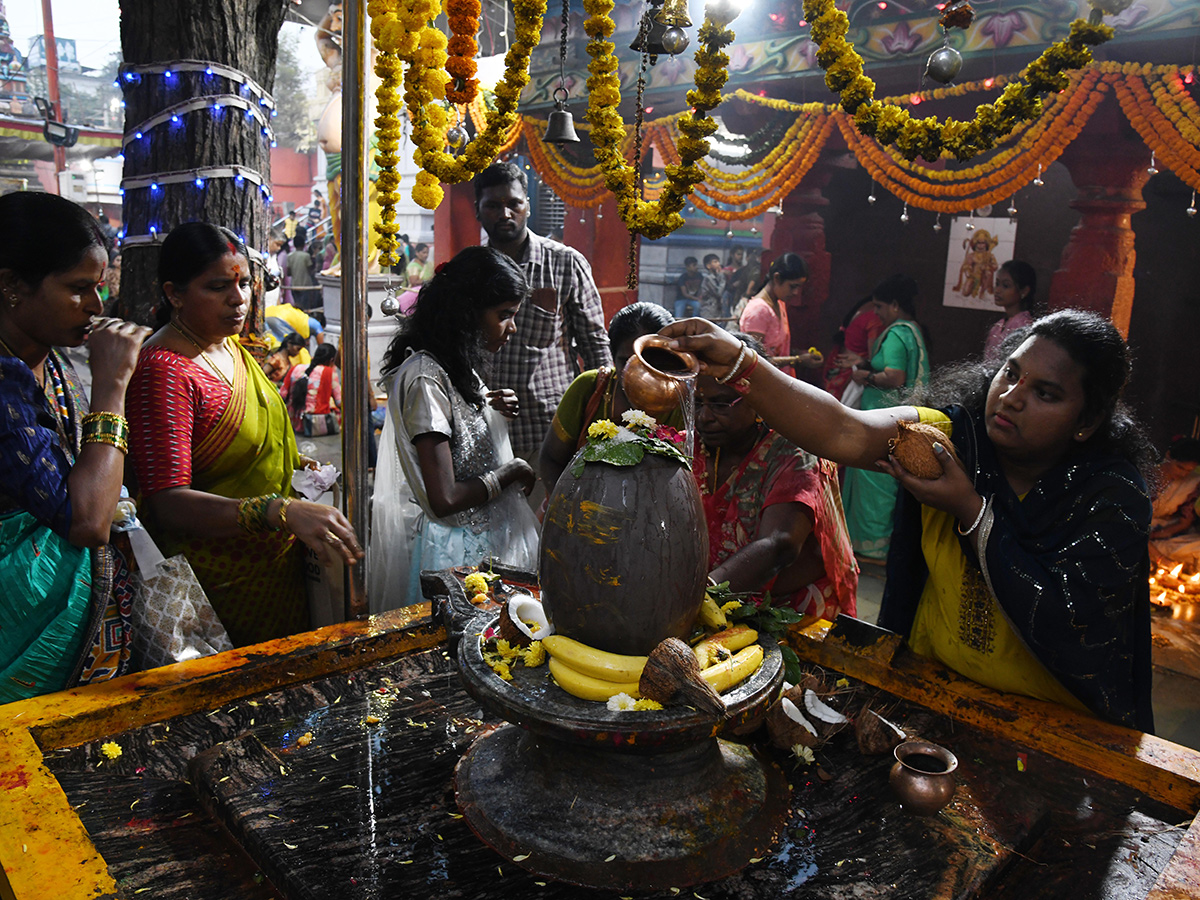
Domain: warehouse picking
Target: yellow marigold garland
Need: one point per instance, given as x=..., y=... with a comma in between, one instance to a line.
x=387, y=155
x=403, y=28
x=658, y=218
x=928, y=137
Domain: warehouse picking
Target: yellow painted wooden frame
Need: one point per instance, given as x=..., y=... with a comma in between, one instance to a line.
x=45, y=850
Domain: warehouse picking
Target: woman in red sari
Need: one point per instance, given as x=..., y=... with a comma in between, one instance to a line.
x=214, y=451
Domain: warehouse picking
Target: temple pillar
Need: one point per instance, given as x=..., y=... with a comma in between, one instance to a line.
x=454, y=224
x=1108, y=166
x=601, y=236
x=801, y=230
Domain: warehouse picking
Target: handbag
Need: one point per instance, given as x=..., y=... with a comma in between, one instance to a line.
x=173, y=620
x=318, y=424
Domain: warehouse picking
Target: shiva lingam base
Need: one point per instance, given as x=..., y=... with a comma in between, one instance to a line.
x=641, y=800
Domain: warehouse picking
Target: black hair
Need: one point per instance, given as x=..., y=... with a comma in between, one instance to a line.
x=691, y=261
x=293, y=339
x=750, y=341
x=899, y=289
x=709, y=257
x=636, y=319
x=1024, y=276
x=1184, y=449
x=788, y=266
x=499, y=173
x=44, y=234
x=419, y=247
x=188, y=250
x=300, y=240
x=324, y=355
x=445, y=321
x=1094, y=343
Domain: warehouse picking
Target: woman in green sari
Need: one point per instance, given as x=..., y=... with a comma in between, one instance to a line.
x=898, y=364
x=214, y=451
x=64, y=591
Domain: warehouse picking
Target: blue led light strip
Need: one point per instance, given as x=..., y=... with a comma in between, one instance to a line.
x=214, y=102
x=168, y=69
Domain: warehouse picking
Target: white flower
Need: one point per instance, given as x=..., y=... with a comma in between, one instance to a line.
x=802, y=753
x=635, y=418
x=621, y=702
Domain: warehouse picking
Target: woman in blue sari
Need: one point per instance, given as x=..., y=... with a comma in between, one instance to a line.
x=65, y=604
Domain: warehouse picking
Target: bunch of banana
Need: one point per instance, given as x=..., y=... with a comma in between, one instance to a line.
x=723, y=644
x=711, y=614
x=725, y=674
x=592, y=674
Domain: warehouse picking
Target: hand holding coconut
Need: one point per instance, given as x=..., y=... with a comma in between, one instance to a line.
x=923, y=460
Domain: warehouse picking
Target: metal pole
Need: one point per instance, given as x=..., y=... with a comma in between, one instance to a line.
x=354, y=288
x=51, y=54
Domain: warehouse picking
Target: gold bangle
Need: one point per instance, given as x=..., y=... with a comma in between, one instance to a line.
x=283, y=508
x=102, y=416
x=113, y=440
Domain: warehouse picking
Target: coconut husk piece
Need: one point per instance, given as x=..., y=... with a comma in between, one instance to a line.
x=509, y=631
x=912, y=448
x=671, y=674
x=875, y=734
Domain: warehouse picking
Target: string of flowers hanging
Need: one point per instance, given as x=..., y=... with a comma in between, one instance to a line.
x=929, y=138
x=437, y=71
x=654, y=218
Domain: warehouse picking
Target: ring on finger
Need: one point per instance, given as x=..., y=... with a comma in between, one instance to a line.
x=331, y=538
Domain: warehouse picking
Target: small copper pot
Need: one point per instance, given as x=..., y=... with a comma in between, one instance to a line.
x=655, y=375
x=923, y=777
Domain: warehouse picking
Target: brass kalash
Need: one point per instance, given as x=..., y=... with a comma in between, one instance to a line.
x=570, y=790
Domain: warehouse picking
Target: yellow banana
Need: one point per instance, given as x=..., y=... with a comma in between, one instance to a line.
x=585, y=687
x=723, y=644
x=729, y=672
x=596, y=663
x=711, y=615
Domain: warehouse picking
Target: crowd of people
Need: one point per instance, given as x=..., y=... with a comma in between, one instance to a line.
x=1023, y=566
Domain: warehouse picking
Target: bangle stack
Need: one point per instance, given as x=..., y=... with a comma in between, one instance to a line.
x=283, y=508
x=979, y=518
x=491, y=483
x=106, y=428
x=252, y=514
x=742, y=385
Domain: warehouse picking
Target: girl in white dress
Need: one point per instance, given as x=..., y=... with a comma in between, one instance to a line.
x=448, y=490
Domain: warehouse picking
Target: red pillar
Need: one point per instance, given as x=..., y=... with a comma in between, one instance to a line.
x=454, y=224
x=604, y=240
x=1108, y=166
x=801, y=230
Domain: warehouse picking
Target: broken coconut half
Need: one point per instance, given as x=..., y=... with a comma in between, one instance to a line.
x=523, y=621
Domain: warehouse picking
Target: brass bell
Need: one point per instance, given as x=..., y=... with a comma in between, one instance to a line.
x=560, y=125
x=650, y=34
x=674, y=13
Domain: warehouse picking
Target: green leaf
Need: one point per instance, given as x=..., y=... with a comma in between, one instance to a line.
x=791, y=664
x=629, y=453
x=578, y=466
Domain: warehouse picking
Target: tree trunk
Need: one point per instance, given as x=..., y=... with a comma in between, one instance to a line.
x=240, y=34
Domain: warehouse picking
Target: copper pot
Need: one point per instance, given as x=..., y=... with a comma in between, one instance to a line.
x=923, y=777
x=655, y=376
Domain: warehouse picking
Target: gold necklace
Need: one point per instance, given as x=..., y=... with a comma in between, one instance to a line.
x=182, y=329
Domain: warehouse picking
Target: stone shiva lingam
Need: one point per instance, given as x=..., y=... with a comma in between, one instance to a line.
x=624, y=794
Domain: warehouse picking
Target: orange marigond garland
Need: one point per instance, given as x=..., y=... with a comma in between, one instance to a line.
x=463, y=16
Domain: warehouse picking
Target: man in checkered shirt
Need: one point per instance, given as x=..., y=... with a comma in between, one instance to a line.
x=560, y=321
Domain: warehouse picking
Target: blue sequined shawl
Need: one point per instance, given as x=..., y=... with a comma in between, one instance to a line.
x=1069, y=565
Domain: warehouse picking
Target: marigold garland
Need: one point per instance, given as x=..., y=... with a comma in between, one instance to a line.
x=463, y=16
x=403, y=28
x=928, y=137
x=657, y=218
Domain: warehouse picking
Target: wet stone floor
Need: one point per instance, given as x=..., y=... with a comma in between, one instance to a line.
x=343, y=788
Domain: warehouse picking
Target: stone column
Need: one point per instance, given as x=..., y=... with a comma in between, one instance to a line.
x=604, y=240
x=1108, y=165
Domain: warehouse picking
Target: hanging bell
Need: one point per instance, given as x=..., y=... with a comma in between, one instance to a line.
x=389, y=305
x=560, y=125
x=943, y=64
x=650, y=34
x=456, y=137
x=674, y=13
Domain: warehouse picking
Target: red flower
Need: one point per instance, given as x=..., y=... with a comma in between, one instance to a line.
x=669, y=434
